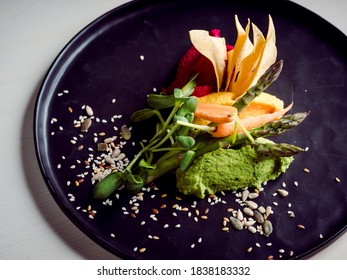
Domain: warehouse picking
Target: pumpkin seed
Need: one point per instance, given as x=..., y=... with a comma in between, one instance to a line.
x=258, y=217
x=236, y=223
x=86, y=125
x=125, y=132
x=267, y=228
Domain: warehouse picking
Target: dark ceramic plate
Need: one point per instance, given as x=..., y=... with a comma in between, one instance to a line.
x=101, y=67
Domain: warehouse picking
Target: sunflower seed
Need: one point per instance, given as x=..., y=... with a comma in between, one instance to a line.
x=262, y=210
x=253, y=195
x=252, y=229
x=89, y=111
x=282, y=192
x=239, y=215
x=244, y=195
x=251, y=204
x=248, y=211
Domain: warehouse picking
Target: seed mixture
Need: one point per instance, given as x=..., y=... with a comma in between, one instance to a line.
x=243, y=212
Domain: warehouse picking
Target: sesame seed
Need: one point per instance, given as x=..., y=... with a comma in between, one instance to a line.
x=337, y=180
x=306, y=170
x=142, y=57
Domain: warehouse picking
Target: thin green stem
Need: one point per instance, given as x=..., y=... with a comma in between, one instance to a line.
x=167, y=136
x=196, y=126
x=245, y=131
x=137, y=157
x=168, y=149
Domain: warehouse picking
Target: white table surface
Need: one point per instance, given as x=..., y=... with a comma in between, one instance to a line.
x=32, y=32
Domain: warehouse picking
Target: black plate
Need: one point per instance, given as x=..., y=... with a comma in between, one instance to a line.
x=103, y=63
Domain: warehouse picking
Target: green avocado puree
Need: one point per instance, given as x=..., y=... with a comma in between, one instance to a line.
x=229, y=169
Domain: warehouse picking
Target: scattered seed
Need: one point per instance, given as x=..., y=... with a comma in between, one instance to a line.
x=253, y=195
x=225, y=229
x=236, y=223
x=282, y=192
x=267, y=228
x=251, y=204
x=89, y=111
x=244, y=195
x=86, y=125
x=248, y=211
x=142, y=250
x=252, y=229
x=337, y=180
x=258, y=217
x=300, y=226
x=239, y=215
x=306, y=170
x=125, y=132
x=249, y=249
x=262, y=210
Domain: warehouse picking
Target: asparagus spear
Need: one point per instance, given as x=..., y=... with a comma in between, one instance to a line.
x=273, y=128
x=276, y=149
x=262, y=84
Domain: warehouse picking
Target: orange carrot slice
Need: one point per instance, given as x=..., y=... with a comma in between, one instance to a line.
x=226, y=129
x=214, y=112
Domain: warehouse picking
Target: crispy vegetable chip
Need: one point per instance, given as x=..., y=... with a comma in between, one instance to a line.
x=214, y=48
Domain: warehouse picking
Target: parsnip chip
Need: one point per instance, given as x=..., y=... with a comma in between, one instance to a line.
x=213, y=48
x=243, y=47
x=249, y=65
x=270, y=51
x=255, y=64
